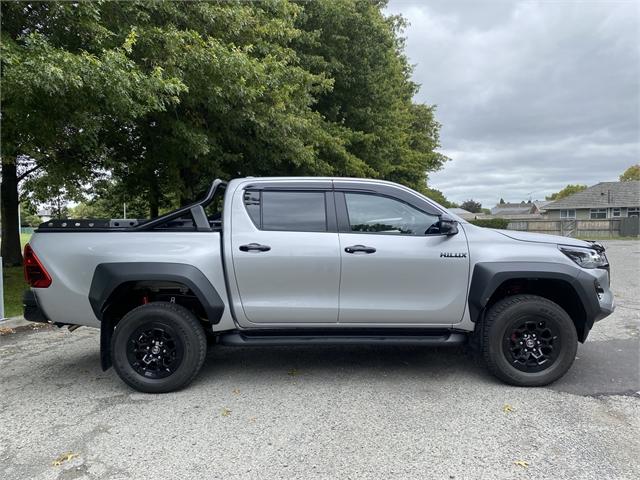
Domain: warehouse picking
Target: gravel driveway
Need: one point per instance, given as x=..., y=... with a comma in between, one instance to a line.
x=326, y=412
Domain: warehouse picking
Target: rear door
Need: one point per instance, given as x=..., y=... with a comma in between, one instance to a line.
x=396, y=267
x=285, y=253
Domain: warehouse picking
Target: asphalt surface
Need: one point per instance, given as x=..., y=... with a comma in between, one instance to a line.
x=326, y=412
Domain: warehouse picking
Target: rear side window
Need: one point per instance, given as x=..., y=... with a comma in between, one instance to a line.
x=287, y=211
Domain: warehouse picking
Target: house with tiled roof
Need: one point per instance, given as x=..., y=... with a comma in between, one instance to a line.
x=601, y=201
x=518, y=210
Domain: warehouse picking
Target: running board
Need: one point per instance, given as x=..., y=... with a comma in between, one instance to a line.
x=238, y=339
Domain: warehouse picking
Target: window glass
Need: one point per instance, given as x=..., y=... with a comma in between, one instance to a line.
x=567, y=214
x=252, y=204
x=598, y=213
x=633, y=212
x=616, y=212
x=287, y=211
x=375, y=214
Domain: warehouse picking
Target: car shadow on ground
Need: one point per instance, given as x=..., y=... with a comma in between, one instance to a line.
x=601, y=368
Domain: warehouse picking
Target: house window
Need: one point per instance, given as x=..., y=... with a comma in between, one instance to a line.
x=598, y=213
x=616, y=212
x=567, y=214
x=633, y=212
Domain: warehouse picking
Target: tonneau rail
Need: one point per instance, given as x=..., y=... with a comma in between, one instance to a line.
x=170, y=221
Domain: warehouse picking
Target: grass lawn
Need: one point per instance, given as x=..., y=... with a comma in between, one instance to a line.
x=14, y=285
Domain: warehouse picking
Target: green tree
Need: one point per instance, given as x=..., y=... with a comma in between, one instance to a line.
x=566, y=191
x=631, y=173
x=64, y=77
x=361, y=50
x=146, y=102
x=472, y=206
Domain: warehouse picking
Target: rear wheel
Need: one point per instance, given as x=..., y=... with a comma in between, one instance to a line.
x=158, y=347
x=528, y=340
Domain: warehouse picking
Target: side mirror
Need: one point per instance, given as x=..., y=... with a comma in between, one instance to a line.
x=447, y=225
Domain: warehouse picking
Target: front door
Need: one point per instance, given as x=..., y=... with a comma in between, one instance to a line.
x=396, y=267
x=286, y=256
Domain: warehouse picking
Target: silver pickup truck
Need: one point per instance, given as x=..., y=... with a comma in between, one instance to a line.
x=314, y=261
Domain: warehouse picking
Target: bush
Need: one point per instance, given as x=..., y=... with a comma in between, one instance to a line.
x=491, y=222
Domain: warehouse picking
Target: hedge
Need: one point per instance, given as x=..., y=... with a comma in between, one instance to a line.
x=491, y=222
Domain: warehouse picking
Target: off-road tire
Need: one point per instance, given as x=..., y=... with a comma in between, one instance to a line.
x=182, y=324
x=504, y=315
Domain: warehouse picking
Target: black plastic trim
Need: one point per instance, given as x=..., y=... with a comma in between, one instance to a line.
x=342, y=337
x=108, y=276
x=487, y=277
x=290, y=185
x=31, y=308
x=386, y=190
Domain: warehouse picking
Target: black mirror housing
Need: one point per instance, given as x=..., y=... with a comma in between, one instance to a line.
x=447, y=225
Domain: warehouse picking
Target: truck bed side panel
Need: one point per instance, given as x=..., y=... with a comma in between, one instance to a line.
x=71, y=260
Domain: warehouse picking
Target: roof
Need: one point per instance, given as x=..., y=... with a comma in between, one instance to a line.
x=602, y=195
x=512, y=208
x=461, y=212
x=541, y=204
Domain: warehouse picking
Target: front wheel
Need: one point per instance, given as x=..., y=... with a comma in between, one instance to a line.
x=528, y=341
x=158, y=347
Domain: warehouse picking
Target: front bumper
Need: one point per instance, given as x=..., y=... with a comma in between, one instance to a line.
x=603, y=303
x=31, y=309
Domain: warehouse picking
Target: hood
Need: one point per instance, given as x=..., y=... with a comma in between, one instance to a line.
x=543, y=238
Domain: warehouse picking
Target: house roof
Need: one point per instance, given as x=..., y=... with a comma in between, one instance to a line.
x=541, y=204
x=602, y=195
x=512, y=208
x=459, y=211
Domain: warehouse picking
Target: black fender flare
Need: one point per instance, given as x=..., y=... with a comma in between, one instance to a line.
x=487, y=277
x=108, y=277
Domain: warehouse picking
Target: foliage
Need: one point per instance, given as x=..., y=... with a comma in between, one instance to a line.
x=566, y=191
x=631, y=173
x=500, y=223
x=145, y=102
x=472, y=206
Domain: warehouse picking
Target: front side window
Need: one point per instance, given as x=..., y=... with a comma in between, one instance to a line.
x=598, y=213
x=287, y=211
x=567, y=214
x=375, y=214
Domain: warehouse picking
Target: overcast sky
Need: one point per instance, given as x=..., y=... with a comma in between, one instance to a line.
x=531, y=95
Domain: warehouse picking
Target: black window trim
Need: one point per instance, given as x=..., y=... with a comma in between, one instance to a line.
x=331, y=223
x=344, y=224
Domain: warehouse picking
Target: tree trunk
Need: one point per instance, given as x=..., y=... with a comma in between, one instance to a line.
x=11, y=252
x=154, y=196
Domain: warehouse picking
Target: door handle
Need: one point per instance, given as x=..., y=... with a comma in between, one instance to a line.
x=359, y=248
x=256, y=247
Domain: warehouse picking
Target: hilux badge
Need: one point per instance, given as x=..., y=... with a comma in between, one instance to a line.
x=453, y=255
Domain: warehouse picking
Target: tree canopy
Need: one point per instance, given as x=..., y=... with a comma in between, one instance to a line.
x=471, y=206
x=631, y=173
x=146, y=102
x=566, y=191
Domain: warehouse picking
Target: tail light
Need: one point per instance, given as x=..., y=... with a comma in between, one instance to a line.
x=34, y=273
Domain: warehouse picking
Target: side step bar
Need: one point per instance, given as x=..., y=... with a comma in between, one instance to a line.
x=238, y=339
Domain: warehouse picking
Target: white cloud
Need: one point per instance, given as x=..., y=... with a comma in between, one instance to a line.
x=531, y=95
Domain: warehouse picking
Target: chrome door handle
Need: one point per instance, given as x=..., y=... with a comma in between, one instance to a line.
x=359, y=248
x=255, y=247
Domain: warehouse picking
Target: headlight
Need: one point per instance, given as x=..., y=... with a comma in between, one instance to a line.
x=585, y=257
